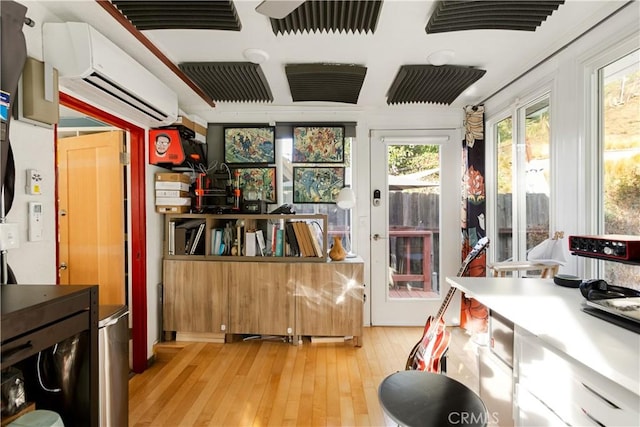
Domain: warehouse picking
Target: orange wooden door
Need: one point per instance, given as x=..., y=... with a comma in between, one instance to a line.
x=91, y=213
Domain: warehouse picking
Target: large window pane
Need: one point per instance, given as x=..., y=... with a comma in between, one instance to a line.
x=504, y=135
x=620, y=108
x=536, y=172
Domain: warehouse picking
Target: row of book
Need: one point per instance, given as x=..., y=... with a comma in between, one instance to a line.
x=187, y=238
x=299, y=238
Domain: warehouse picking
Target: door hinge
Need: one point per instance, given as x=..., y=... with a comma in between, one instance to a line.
x=125, y=158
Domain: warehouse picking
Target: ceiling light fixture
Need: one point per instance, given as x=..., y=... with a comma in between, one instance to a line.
x=441, y=57
x=255, y=56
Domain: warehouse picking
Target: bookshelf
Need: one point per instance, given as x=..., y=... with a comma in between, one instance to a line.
x=240, y=237
x=299, y=293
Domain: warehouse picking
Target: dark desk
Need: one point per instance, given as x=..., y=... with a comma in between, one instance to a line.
x=36, y=317
x=417, y=398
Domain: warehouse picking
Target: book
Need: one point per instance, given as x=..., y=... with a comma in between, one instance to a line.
x=261, y=243
x=250, y=243
x=274, y=233
x=279, y=242
x=196, y=240
x=291, y=238
x=180, y=241
x=317, y=246
x=302, y=243
x=172, y=238
x=216, y=241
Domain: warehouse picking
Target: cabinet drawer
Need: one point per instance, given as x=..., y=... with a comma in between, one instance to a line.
x=573, y=391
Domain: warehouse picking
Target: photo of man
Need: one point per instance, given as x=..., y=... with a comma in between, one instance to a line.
x=163, y=142
x=165, y=147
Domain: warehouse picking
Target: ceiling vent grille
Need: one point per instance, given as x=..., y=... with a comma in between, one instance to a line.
x=229, y=81
x=325, y=82
x=431, y=84
x=330, y=15
x=463, y=15
x=199, y=15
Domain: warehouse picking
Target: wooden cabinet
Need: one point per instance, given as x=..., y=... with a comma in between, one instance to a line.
x=195, y=296
x=329, y=299
x=261, y=295
x=261, y=298
x=264, y=298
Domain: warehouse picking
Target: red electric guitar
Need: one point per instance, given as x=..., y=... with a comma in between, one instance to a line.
x=427, y=354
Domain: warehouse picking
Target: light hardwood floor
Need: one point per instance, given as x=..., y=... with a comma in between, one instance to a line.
x=272, y=383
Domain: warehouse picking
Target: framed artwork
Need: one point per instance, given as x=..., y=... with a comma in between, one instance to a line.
x=259, y=179
x=318, y=144
x=317, y=184
x=245, y=145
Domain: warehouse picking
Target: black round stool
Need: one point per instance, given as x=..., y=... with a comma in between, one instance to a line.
x=418, y=398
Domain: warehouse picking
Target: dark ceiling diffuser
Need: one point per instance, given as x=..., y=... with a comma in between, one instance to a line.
x=331, y=16
x=325, y=82
x=431, y=84
x=161, y=15
x=457, y=15
x=229, y=81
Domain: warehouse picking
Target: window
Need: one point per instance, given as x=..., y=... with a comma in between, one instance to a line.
x=618, y=91
x=522, y=183
x=339, y=220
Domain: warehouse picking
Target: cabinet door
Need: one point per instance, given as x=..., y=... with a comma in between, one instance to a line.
x=195, y=296
x=260, y=298
x=329, y=299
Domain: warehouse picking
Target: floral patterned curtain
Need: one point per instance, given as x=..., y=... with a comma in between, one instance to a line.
x=473, y=315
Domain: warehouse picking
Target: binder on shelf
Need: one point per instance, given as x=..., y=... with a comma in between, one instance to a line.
x=180, y=241
x=261, y=243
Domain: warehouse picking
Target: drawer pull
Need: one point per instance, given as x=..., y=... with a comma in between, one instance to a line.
x=6, y=354
x=592, y=418
x=610, y=403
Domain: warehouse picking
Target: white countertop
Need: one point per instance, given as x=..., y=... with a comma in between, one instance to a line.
x=554, y=314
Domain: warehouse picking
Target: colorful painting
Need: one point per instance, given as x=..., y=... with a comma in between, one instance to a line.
x=250, y=145
x=318, y=144
x=261, y=180
x=317, y=185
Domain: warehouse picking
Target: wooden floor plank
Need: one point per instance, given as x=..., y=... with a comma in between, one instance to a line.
x=273, y=383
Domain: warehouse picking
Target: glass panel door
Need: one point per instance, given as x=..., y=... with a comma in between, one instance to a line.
x=409, y=202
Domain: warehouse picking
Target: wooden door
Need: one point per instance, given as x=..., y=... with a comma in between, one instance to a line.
x=329, y=299
x=195, y=296
x=91, y=213
x=260, y=298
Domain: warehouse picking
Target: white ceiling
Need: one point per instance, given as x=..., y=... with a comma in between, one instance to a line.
x=400, y=39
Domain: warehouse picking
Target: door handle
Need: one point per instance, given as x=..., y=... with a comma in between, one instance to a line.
x=376, y=237
x=63, y=266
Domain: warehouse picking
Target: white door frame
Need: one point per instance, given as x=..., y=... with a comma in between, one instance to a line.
x=414, y=312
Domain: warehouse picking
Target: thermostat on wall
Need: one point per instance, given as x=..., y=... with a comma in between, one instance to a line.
x=34, y=181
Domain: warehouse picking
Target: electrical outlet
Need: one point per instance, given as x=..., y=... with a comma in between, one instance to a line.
x=9, y=236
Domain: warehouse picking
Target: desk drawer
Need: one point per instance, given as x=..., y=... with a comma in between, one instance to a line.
x=26, y=345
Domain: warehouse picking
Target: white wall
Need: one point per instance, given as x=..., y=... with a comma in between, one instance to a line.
x=571, y=140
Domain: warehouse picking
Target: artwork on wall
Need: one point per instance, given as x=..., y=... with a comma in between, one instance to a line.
x=317, y=184
x=246, y=145
x=261, y=180
x=318, y=144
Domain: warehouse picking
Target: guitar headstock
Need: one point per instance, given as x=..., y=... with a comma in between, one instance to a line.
x=478, y=249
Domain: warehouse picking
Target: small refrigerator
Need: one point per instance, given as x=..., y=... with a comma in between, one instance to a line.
x=113, y=351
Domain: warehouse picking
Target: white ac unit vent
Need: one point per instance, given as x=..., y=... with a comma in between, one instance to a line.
x=93, y=67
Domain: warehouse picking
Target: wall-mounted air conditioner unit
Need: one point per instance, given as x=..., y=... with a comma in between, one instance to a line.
x=94, y=68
